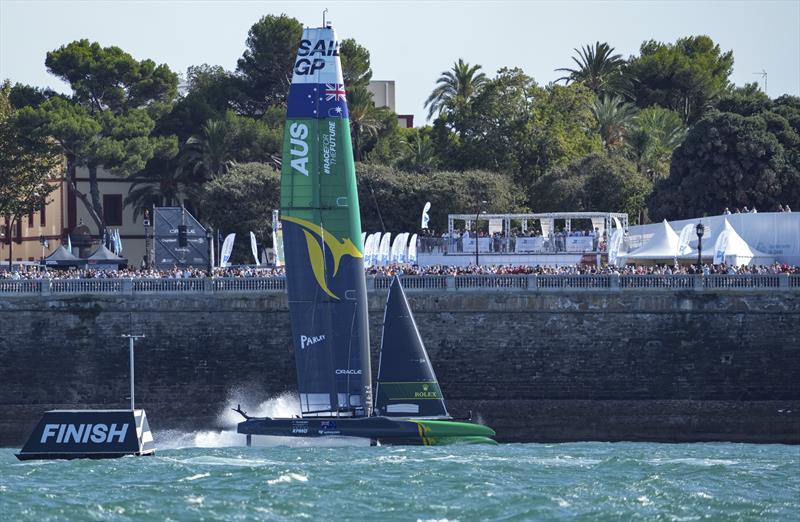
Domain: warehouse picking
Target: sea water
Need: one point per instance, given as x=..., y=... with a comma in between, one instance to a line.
x=212, y=476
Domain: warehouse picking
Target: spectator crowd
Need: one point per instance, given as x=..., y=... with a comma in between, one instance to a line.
x=402, y=269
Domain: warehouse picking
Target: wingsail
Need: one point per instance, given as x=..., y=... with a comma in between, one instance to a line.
x=322, y=236
x=407, y=385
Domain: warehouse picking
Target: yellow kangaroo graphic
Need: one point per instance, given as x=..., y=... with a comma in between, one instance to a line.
x=315, y=253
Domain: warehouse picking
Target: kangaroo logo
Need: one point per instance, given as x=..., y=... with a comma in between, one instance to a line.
x=315, y=250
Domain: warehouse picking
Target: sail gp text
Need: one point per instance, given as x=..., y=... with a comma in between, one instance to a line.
x=312, y=64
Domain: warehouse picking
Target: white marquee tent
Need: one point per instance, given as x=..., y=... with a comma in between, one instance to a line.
x=735, y=250
x=663, y=246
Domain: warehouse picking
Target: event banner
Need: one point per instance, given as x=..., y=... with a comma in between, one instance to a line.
x=579, y=244
x=525, y=245
x=484, y=244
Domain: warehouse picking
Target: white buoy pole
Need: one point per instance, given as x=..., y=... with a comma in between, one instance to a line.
x=131, y=339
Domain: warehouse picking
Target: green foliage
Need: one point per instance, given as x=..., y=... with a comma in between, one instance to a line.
x=265, y=68
x=651, y=139
x=27, y=164
x=597, y=69
x=598, y=182
x=356, y=68
x=687, y=76
x=730, y=160
x=455, y=88
x=401, y=196
x=367, y=122
x=111, y=117
x=613, y=116
x=515, y=127
x=211, y=91
x=108, y=78
x=242, y=201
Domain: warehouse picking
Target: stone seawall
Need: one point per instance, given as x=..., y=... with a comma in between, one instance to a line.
x=536, y=366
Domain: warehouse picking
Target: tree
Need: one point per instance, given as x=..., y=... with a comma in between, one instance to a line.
x=598, y=182
x=419, y=154
x=265, y=68
x=597, y=69
x=366, y=120
x=27, y=165
x=242, y=201
x=729, y=160
x=455, y=88
x=110, y=119
x=400, y=196
x=209, y=155
x=613, y=116
x=687, y=76
x=356, y=69
x=654, y=134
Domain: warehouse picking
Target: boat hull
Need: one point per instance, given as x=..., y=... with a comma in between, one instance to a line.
x=383, y=430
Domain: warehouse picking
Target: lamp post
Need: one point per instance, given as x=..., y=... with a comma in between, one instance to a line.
x=477, y=214
x=700, y=230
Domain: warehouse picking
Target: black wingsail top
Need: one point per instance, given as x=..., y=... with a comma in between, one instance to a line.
x=407, y=385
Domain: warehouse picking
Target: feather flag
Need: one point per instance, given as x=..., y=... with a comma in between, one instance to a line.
x=425, y=217
x=254, y=248
x=227, y=248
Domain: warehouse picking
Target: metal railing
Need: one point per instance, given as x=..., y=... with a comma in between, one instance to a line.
x=466, y=282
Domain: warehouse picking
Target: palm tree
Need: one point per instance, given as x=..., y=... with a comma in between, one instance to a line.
x=160, y=187
x=365, y=119
x=210, y=154
x=656, y=132
x=455, y=88
x=613, y=115
x=420, y=155
x=597, y=69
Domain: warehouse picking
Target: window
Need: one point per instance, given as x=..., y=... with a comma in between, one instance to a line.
x=42, y=214
x=19, y=231
x=112, y=209
x=30, y=219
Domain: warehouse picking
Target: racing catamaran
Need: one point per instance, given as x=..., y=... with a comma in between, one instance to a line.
x=327, y=289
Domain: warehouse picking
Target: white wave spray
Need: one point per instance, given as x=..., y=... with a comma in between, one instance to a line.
x=285, y=405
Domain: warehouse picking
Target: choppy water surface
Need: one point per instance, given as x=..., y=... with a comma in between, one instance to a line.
x=590, y=481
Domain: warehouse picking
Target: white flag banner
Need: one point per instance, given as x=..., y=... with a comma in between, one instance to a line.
x=683, y=240
x=425, y=217
x=616, y=222
x=720, y=246
x=227, y=248
x=376, y=247
x=614, y=245
x=384, y=250
x=404, y=248
x=254, y=248
x=397, y=246
x=412, y=250
x=69, y=243
x=368, y=250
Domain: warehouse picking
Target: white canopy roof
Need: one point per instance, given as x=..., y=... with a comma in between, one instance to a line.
x=663, y=245
x=738, y=252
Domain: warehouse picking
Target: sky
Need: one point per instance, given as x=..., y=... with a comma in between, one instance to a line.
x=411, y=42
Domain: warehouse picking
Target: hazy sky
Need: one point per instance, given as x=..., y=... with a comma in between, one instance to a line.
x=410, y=42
